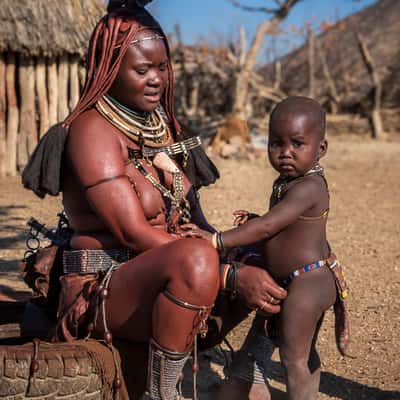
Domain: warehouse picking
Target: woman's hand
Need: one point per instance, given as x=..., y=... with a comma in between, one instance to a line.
x=192, y=230
x=258, y=290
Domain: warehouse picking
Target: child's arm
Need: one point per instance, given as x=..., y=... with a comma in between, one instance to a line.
x=301, y=197
x=298, y=199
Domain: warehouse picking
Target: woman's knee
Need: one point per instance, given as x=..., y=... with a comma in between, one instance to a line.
x=200, y=266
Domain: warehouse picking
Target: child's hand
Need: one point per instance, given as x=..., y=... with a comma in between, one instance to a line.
x=241, y=216
x=192, y=230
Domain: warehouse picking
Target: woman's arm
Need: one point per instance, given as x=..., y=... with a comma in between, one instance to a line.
x=95, y=154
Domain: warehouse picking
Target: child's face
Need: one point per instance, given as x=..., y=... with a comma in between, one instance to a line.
x=293, y=147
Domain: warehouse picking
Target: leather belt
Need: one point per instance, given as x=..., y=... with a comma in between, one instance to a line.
x=94, y=261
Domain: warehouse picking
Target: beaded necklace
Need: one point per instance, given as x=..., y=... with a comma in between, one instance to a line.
x=150, y=129
x=153, y=133
x=281, y=182
x=179, y=211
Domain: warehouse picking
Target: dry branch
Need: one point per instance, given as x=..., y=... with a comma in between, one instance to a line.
x=376, y=119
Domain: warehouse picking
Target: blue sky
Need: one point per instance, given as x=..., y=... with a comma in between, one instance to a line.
x=218, y=21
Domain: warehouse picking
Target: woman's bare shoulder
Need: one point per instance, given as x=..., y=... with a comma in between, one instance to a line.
x=94, y=147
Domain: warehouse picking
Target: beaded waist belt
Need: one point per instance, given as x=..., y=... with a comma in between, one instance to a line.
x=330, y=262
x=171, y=150
x=93, y=261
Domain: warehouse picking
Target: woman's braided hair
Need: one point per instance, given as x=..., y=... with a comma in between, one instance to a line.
x=108, y=45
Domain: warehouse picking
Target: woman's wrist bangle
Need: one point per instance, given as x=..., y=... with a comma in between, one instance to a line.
x=228, y=277
x=220, y=243
x=214, y=241
x=224, y=271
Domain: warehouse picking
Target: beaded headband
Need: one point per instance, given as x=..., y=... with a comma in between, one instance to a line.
x=152, y=37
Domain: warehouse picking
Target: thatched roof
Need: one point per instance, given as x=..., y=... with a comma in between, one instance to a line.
x=48, y=27
x=379, y=25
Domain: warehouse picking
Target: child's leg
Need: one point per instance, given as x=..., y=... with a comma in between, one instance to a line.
x=309, y=296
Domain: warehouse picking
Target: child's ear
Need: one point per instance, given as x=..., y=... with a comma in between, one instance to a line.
x=323, y=148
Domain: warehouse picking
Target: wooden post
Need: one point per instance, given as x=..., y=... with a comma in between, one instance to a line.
x=333, y=93
x=12, y=114
x=63, y=109
x=73, y=82
x=311, y=62
x=52, y=84
x=27, y=136
x=278, y=75
x=376, y=119
x=3, y=137
x=82, y=76
x=41, y=91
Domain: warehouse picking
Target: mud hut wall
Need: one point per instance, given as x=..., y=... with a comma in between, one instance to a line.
x=35, y=93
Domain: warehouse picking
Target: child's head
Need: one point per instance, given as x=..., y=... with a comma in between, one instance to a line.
x=296, y=136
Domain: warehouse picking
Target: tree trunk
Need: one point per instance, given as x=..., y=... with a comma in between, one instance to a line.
x=243, y=77
x=28, y=131
x=375, y=115
x=333, y=93
x=311, y=63
x=12, y=114
x=73, y=83
x=41, y=91
x=52, y=83
x=3, y=137
x=63, y=110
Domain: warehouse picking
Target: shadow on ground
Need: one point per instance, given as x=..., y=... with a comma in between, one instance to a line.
x=8, y=294
x=8, y=266
x=331, y=384
x=13, y=232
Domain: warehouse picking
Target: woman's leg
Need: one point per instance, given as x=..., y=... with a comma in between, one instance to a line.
x=164, y=295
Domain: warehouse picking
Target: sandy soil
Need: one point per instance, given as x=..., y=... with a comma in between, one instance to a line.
x=364, y=230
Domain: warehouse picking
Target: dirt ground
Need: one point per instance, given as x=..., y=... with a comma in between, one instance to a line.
x=364, y=228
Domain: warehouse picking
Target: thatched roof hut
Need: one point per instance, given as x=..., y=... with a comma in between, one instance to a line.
x=48, y=28
x=42, y=49
x=379, y=26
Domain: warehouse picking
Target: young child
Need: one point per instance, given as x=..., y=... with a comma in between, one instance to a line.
x=294, y=243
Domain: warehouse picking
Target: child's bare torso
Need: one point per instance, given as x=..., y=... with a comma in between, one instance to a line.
x=304, y=241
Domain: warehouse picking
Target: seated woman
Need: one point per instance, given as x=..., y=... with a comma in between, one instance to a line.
x=126, y=198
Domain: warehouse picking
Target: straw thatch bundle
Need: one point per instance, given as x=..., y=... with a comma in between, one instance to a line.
x=42, y=48
x=48, y=28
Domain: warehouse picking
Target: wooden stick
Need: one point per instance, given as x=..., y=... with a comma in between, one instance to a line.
x=52, y=79
x=63, y=109
x=375, y=116
x=3, y=137
x=41, y=91
x=12, y=114
x=27, y=136
x=73, y=82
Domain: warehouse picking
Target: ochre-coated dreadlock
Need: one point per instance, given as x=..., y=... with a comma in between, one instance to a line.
x=108, y=45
